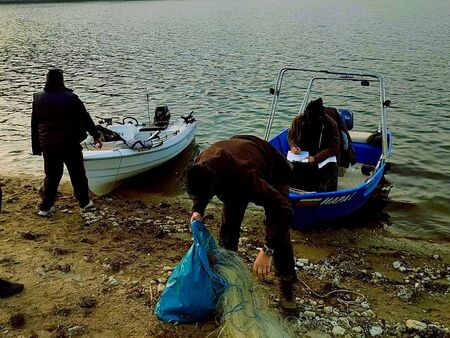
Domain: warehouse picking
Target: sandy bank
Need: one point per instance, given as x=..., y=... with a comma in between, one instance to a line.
x=99, y=274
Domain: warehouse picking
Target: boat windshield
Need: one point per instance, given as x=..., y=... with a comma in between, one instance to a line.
x=360, y=92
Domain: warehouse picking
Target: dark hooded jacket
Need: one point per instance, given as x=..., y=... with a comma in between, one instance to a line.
x=59, y=121
x=247, y=168
x=315, y=132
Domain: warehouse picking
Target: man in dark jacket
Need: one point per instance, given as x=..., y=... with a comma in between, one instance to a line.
x=59, y=122
x=317, y=133
x=247, y=169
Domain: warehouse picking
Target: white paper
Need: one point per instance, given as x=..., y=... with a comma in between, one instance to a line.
x=327, y=160
x=301, y=157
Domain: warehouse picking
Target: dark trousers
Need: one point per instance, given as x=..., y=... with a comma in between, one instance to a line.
x=309, y=177
x=54, y=161
x=277, y=226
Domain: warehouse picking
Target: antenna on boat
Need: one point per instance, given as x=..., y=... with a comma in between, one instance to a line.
x=148, y=109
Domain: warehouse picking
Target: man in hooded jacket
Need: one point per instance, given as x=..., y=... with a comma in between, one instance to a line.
x=59, y=122
x=315, y=132
x=238, y=171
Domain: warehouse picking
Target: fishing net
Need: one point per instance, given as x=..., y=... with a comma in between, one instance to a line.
x=209, y=279
x=245, y=311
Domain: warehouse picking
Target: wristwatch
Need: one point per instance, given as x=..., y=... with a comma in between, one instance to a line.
x=268, y=251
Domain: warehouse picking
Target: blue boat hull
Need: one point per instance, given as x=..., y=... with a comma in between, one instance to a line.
x=311, y=208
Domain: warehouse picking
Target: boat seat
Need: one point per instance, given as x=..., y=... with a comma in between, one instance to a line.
x=359, y=136
x=126, y=131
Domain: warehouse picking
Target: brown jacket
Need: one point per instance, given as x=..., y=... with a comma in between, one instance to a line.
x=321, y=142
x=249, y=169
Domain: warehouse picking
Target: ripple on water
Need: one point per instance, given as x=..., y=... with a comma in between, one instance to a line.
x=220, y=60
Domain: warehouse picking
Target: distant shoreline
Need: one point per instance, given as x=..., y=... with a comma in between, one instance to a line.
x=12, y=2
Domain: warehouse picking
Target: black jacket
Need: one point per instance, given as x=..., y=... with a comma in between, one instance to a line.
x=59, y=121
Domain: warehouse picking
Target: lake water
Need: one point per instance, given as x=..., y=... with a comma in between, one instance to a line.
x=219, y=58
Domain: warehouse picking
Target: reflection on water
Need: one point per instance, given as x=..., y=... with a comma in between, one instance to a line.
x=220, y=58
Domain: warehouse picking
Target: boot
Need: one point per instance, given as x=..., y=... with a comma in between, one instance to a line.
x=287, y=298
x=8, y=289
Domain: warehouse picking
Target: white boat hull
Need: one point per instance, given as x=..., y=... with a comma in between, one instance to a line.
x=106, y=169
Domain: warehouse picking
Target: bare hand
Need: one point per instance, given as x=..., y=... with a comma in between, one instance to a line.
x=311, y=159
x=196, y=216
x=295, y=150
x=99, y=142
x=262, y=264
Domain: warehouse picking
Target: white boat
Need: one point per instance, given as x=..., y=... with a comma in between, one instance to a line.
x=132, y=148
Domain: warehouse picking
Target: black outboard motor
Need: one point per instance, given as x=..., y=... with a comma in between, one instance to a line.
x=162, y=116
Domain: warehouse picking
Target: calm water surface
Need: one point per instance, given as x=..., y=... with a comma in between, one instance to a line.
x=220, y=58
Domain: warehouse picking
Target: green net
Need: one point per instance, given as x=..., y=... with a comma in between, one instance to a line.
x=245, y=311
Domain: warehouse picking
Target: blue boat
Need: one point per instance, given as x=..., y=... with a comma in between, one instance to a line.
x=366, y=177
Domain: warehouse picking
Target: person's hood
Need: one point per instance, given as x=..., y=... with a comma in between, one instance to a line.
x=55, y=80
x=315, y=111
x=200, y=180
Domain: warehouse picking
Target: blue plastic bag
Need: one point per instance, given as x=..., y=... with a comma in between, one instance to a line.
x=193, y=288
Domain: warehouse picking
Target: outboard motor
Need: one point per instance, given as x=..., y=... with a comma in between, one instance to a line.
x=162, y=116
x=346, y=117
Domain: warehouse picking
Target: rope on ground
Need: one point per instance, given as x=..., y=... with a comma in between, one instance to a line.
x=360, y=299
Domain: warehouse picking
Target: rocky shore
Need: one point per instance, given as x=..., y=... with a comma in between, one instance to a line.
x=98, y=274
